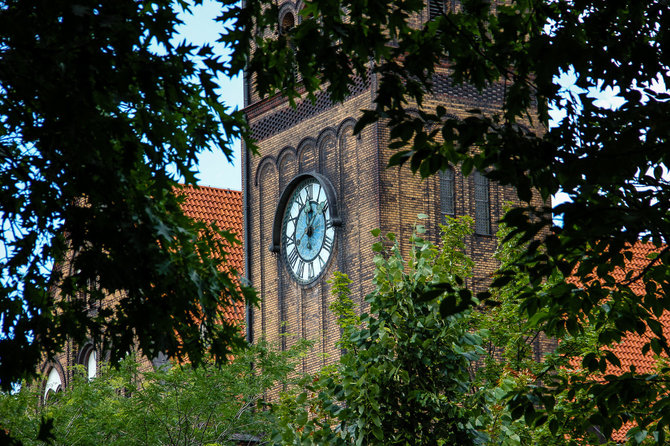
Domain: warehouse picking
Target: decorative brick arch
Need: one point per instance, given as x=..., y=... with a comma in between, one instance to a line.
x=284, y=10
x=287, y=165
x=327, y=141
x=307, y=155
x=261, y=165
x=345, y=125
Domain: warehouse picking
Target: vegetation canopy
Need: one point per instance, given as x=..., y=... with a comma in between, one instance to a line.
x=174, y=405
x=409, y=376
x=102, y=112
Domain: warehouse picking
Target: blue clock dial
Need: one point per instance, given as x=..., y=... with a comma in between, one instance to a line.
x=307, y=231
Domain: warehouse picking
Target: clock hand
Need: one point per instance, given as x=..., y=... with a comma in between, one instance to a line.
x=307, y=227
x=312, y=213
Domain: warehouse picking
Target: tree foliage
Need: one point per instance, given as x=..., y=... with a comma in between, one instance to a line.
x=403, y=376
x=611, y=162
x=209, y=405
x=409, y=375
x=102, y=112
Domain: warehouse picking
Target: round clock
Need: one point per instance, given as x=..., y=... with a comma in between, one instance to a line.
x=307, y=232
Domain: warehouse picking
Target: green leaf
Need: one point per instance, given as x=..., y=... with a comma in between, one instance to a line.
x=467, y=166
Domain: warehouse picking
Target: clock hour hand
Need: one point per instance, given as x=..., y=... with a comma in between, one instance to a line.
x=298, y=241
x=308, y=228
x=314, y=214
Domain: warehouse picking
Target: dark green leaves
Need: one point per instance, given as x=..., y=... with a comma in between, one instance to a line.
x=403, y=377
x=100, y=117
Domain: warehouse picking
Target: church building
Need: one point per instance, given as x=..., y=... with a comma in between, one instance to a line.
x=208, y=204
x=317, y=190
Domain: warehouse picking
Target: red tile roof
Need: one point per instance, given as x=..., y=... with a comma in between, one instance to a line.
x=629, y=349
x=223, y=207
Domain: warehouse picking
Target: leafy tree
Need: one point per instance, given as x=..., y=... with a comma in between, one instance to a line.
x=177, y=406
x=403, y=376
x=102, y=111
x=611, y=162
x=409, y=375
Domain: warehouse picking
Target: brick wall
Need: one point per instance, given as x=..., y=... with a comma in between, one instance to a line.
x=318, y=137
x=369, y=196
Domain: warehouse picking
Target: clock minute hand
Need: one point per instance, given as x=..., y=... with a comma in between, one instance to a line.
x=308, y=224
x=319, y=210
x=311, y=220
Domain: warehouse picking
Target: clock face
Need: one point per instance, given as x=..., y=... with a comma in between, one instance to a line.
x=307, y=231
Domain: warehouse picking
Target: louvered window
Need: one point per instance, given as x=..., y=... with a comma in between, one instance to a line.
x=436, y=8
x=439, y=7
x=482, y=208
x=447, y=192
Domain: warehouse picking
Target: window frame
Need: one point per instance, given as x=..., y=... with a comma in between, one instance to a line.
x=447, y=186
x=482, y=201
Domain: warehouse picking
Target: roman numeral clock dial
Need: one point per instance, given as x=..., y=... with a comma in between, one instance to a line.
x=308, y=228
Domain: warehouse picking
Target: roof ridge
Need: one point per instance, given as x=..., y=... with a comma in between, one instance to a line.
x=212, y=188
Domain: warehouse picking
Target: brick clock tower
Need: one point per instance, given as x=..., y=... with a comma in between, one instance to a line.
x=317, y=190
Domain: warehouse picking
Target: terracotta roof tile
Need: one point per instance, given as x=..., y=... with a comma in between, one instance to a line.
x=629, y=350
x=223, y=207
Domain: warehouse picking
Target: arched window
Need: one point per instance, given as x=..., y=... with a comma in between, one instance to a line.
x=91, y=365
x=287, y=22
x=88, y=357
x=54, y=383
x=447, y=192
x=482, y=205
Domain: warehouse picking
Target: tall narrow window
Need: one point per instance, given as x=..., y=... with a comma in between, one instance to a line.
x=91, y=366
x=436, y=8
x=447, y=192
x=482, y=210
x=54, y=383
x=88, y=357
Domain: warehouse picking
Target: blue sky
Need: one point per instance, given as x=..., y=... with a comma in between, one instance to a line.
x=200, y=28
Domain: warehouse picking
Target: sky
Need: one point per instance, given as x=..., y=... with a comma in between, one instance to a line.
x=199, y=28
